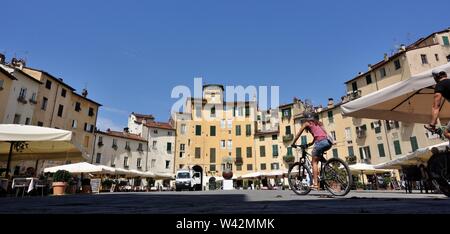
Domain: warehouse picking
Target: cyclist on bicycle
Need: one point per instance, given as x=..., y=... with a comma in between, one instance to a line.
x=441, y=91
x=321, y=142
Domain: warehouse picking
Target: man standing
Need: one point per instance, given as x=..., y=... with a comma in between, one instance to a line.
x=441, y=90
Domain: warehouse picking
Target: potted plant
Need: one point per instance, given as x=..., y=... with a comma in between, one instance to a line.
x=106, y=184
x=86, y=185
x=359, y=185
x=60, y=179
x=289, y=159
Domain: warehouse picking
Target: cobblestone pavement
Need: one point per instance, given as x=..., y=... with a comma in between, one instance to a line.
x=225, y=202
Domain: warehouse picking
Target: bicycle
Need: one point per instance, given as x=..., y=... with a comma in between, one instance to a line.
x=334, y=175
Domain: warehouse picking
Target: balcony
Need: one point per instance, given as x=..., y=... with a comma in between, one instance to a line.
x=239, y=161
x=140, y=150
x=352, y=95
x=366, y=161
x=351, y=160
x=33, y=101
x=288, y=138
x=22, y=99
x=100, y=144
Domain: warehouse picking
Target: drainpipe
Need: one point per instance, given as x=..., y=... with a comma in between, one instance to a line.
x=93, y=150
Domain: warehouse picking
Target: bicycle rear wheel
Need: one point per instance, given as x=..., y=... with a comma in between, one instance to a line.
x=299, y=178
x=337, y=177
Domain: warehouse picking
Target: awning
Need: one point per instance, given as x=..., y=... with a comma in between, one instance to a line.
x=420, y=156
x=251, y=175
x=82, y=167
x=407, y=101
x=164, y=175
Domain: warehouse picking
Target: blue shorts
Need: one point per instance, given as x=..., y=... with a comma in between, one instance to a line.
x=320, y=147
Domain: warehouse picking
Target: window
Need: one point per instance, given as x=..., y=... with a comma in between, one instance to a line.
x=140, y=148
x=247, y=111
x=350, y=151
x=153, y=163
x=397, y=64
x=369, y=79
x=125, y=162
x=330, y=117
x=249, y=152
x=398, y=149
x=169, y=147
x=275, y=166
x=239, y=167
x=154, y=144
x=98, y=158
x=114, y=143
x=113, y=161
x=100, y=140
x=212, y=130
x=262, y=151
x=229, y=123
x=222, y=144
x=382, y=72
x=274, y=137
x=198, y=111
x=212, y=155
x=381, y=150
x=1, y=84
x=289, y=151
x=222, y=123
x=77, y=107
x=333, y=134
x=169, y=133
x=213, y=112
x=286, y=113
x=74, y=123
x=33, y=98
x=183, y=129
x=436, y=56
x=167, y=164
x=274, y=151
x=44, y=103
x=288, y=130
x=354, y=86
x=138, y=163
x=348, y=134
x=127, y=145
x=155, y=131
x=198, y=130
x=335, y=153
x=40, y=124
x=364, y=152
x=212, y=167
x=63, y=92
x=48, y=84
x=88, y=127
x=27, y=121
x=238, y=152
x=261, y=138
x=230, y=144
x=304, y=140
x=197, y=152
x=91, y=111
x=424, y=59
x=182, y=147
x=263, y=166
x=238, y=130
x=23, y=93
x=249, y=167
x=445, y=40
x=248, y=130
x=414, y=144
x=16, y=119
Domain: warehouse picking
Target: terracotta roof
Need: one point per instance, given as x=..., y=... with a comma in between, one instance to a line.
x=159, y=125
x=59, y=80
x=142, y=116
x=123, y=135
x=6, y=73
x=90, y=100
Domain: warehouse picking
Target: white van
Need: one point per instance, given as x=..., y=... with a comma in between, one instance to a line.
x=187, y=179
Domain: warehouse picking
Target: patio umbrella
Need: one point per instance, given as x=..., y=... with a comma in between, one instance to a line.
x=407, y=101
x=82, y=167
x=366, y=169
x=37, y=143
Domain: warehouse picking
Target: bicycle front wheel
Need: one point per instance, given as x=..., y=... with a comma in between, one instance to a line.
x=299, y=178
x=337, y=177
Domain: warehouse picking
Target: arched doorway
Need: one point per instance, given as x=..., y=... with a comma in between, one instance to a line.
x=198, y=169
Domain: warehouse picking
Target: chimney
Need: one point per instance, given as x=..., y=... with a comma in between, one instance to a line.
x=330, y=102
x=84, y=93
x=126, y=130
x=2, y=58
x=108, y=130
x=369, y=67
x=18, y=63
x=402, y=48
x=386, y=58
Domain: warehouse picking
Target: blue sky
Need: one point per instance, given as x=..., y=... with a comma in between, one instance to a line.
x=130, y=54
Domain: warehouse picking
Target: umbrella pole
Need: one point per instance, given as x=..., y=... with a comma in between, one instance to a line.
x=8, y=164
x=35, y=167
x=362, y=177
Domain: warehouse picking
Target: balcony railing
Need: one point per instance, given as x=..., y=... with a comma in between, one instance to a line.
x=22, y=99
x=288, y=138
x=33, y=101
x=366, y=160
x=353, y=95
x=100, y=144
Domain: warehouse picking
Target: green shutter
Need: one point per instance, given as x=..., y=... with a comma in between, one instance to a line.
x=248, y=130
x=212, y=130
x=381, y=150
x=238, y=152
x=198, y=130
x=445, y=39
x=397, y=148
x=238, y=130
x=262, y=151
x=350, y=151
x=274, y=150
x=289, y=151
x=335, y=153
x=288, y=130
x=212, y=155
x=304, y=140
x=414, y=144
x=249, y=152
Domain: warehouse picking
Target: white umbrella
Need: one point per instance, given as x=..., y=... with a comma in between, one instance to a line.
x=82, y=167
x=367, y=169
x=40, y=142
x=251, y=175
x=164, y=175
x=275, y=173
x=408, y=101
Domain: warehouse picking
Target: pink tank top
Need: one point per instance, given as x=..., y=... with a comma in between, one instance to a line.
x=317, y=131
